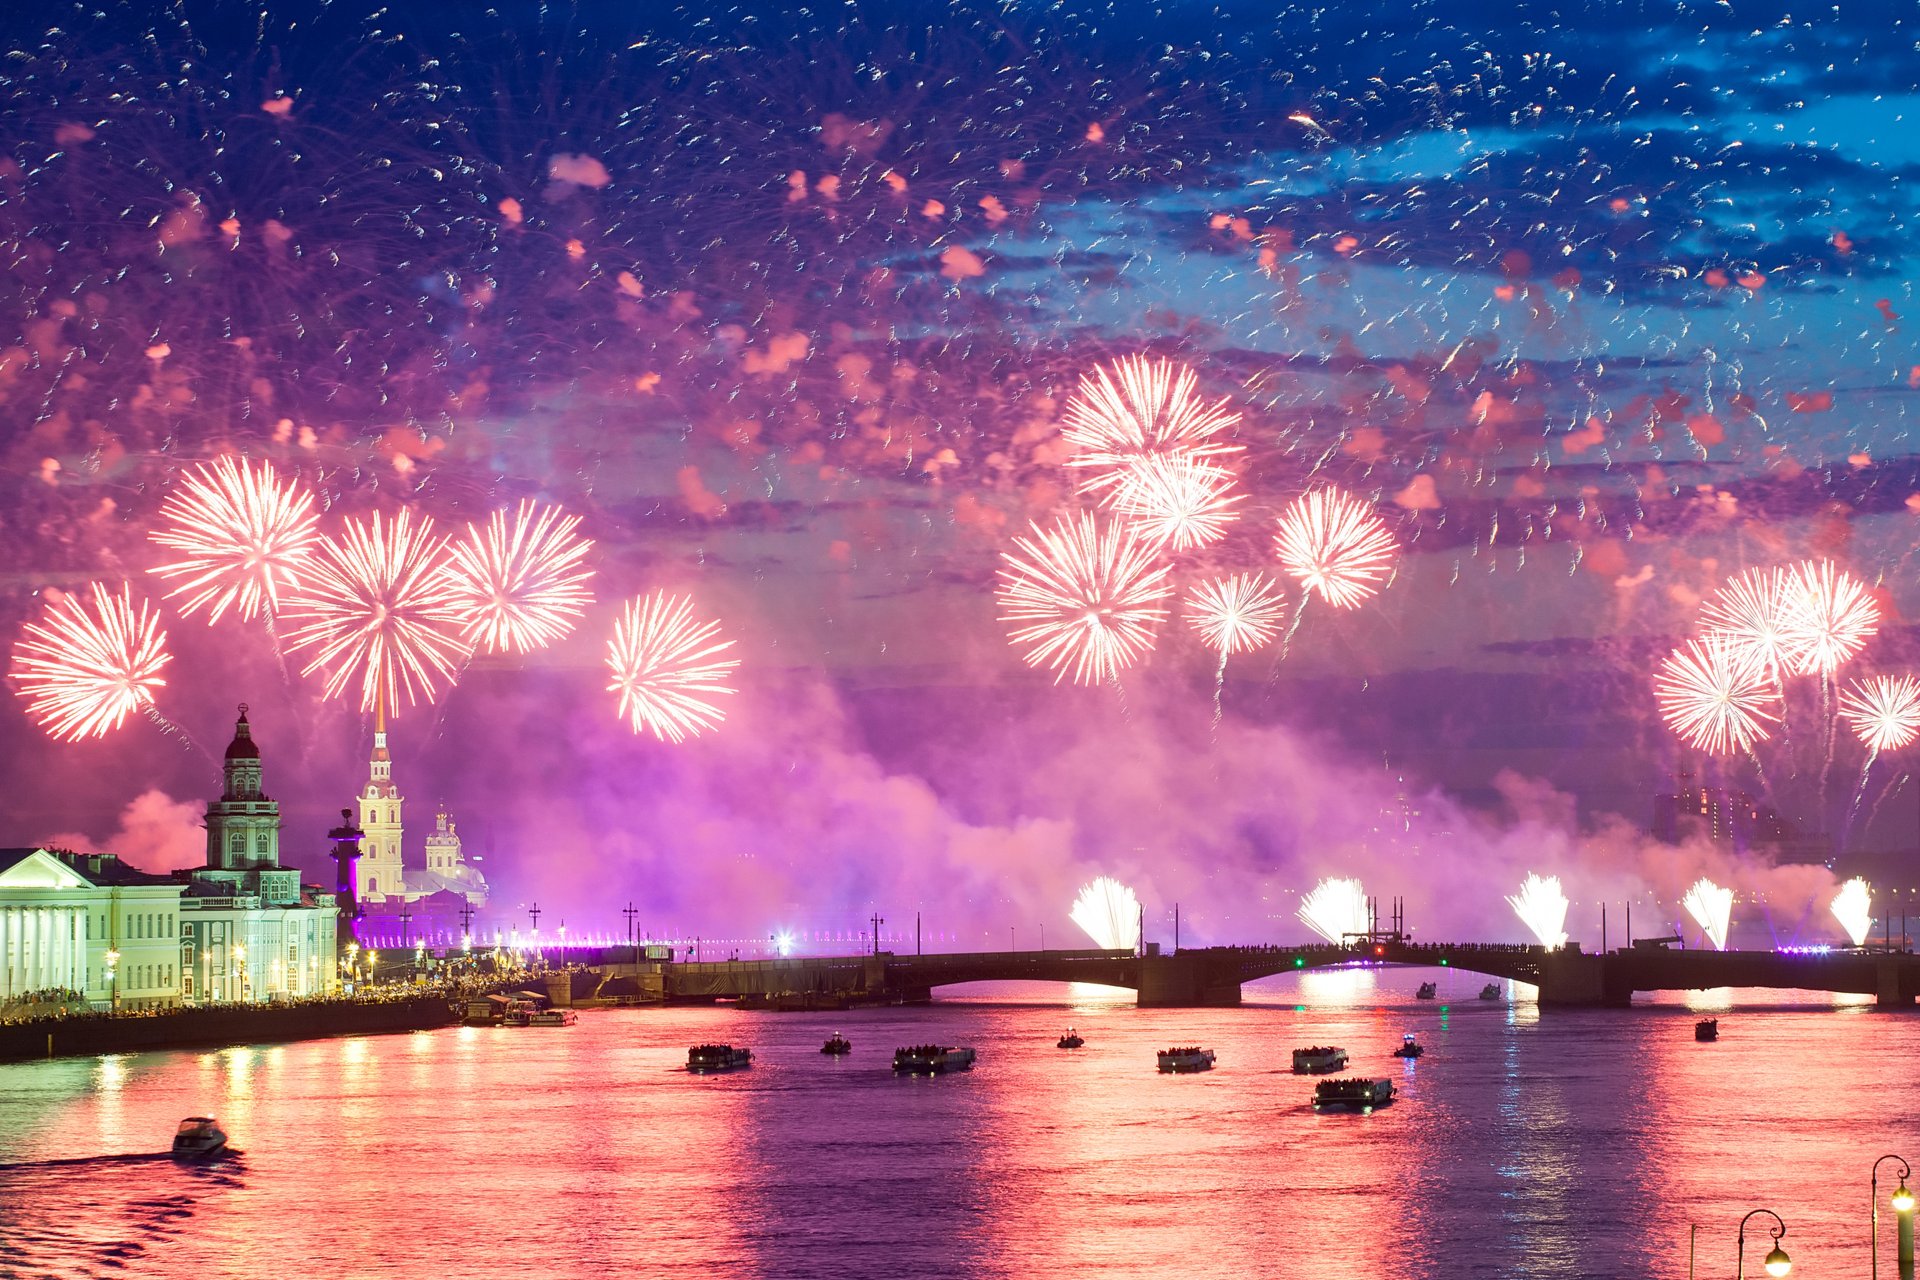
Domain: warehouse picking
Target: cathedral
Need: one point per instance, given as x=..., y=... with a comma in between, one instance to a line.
x=385, y=881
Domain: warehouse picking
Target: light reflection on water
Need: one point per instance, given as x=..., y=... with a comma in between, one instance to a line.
x=1549, y=1143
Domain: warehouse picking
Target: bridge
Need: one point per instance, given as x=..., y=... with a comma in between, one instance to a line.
x=1212, y=976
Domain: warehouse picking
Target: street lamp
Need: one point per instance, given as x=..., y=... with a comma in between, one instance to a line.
x=240, y=957
x=1777, y=1262
x=1902, y=1201
x=113, y=978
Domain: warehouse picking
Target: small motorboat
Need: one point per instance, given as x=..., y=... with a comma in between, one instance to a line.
x=1071, y=1040
x=199, y=1138
x=1318, y=1060
x=1352, y=1095
x=837, y=1046
x=1409, y=1047
x=1490, y=992
x=1707, y=1029
x=932, y=1059
x=552, y=1018
x=1192, y=1058
x=703, y=1058
x=1427, y=991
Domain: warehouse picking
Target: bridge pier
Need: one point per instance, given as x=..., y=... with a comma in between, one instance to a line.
x=1186, y=980
x=1572, y=978
x=1894, y=983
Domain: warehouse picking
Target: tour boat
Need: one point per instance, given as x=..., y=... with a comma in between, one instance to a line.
x=1318, y=1060
x=1409, y=1047
x=1355, y=1095
x=1189, y=1059
x=552, y=1018
x=717, y=1057
x=1071, y=1040
x=1707, y=1029
x=932, y=1059
x=1427, y=991
x=838, y=1045
x=1490, y=992
x=199, y=1138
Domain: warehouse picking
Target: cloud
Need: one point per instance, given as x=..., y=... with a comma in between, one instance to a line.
x=157, y=833
x=568, y=169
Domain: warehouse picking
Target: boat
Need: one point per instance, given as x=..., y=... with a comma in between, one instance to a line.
x=1427, y=991
x=1351, y=1094
x=1409, y=1047
x=838, y=1045
x=932, y=1059
x=1707, y=1029
x=199, y=1138
x=717, y=1057
x=552, y=1018
x=1318, y=1060
x=1490, y=992
x=1188, y=1059
x=1071, y=1040
x=518, y=1013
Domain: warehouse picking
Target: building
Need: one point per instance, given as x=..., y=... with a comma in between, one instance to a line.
x=386, y=885
x=249, y=929
x=1734, y=819
x=87, y=924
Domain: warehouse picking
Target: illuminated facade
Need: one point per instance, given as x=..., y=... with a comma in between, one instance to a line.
x=385, y=882
x=89, y=924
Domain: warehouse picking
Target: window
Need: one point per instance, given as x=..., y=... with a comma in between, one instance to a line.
x=260, y=843
x=238, y=843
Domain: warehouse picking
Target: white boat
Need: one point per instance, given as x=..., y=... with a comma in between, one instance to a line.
x=199, y=1138
x=1318, y=1060
x=932, y=1059
x=1189, y=1059
x=1490, y=992
x=553, y=1018
x=1353, y=1095
x=717, y=1057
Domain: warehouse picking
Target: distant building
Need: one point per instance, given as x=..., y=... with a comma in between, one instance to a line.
x=386, y=885
x=1734, y=819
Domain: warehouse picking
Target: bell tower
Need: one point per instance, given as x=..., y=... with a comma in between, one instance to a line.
x=381, y=873
x=243, y=825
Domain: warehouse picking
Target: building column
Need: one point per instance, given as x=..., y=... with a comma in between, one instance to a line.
x=6, y=951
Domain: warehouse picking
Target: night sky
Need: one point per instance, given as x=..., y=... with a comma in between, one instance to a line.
x=1596, y=304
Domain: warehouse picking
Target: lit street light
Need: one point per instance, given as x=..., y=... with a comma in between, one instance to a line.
x=113, y=978
x=1902, y=1201
x=1776, y=1262
x=240, y=958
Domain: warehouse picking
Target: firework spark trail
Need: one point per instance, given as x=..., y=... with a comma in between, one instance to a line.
x=243, y=537
x=520, y=584
x=1716, y=696
x=1084, y=598
x=1711, y=906
x=1827, y=616
x=1883, y=711
x=377, y=603
x=1336, y=546
x=1336, y=910
x=83, y=670
x=1109, y=913
x=1542, y=907
x=667, y=667
x=1750, y=611
x=1853, y=908
x=1144, y=408
x=1176, y=500
x=1235, y=614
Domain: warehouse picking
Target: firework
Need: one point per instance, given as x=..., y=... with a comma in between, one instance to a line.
x=1143, y=409
x=1084, y=598
x=1336, y=910
x=1853, y=908
x=83, y=670
x=1236, y=614
x=243, y=537
x=1750, y=612
x=1334, y=545
x=1542, y=907
x=377, y=603
x=1176, y=500
x=1828, y=616
x=1884, y=711
x=519, y=584
x=667, y=667
x=1712, y=907
x=1109, y=913
x=1716, y=695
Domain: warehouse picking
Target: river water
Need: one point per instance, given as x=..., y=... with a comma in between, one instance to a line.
x=1555, y=1144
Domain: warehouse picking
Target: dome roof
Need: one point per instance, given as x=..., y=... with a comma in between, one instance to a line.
x=242, y=748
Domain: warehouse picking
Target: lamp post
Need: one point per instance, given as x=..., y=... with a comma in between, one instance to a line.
x=1777, y=1263
x=1902, y=1201
x=240, y=958
x=113, y=978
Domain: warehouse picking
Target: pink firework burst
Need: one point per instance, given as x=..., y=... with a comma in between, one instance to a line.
x=83, y=670
x=1176, y=500
x=378, y=604
x=1827, y=616
x=1335, y=546
x=668, y=666
x=519, y=584
x=243, y=537
x=1716, y=695
x=1142, y=408
x=1750, y=612
x=1236, y=614
x=1083, y=597
x=1883, y=710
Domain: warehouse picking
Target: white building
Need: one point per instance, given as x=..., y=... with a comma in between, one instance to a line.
x=384, y=878
x=90, y=924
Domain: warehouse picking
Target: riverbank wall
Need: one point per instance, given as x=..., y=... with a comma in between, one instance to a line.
x=204, y=1027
